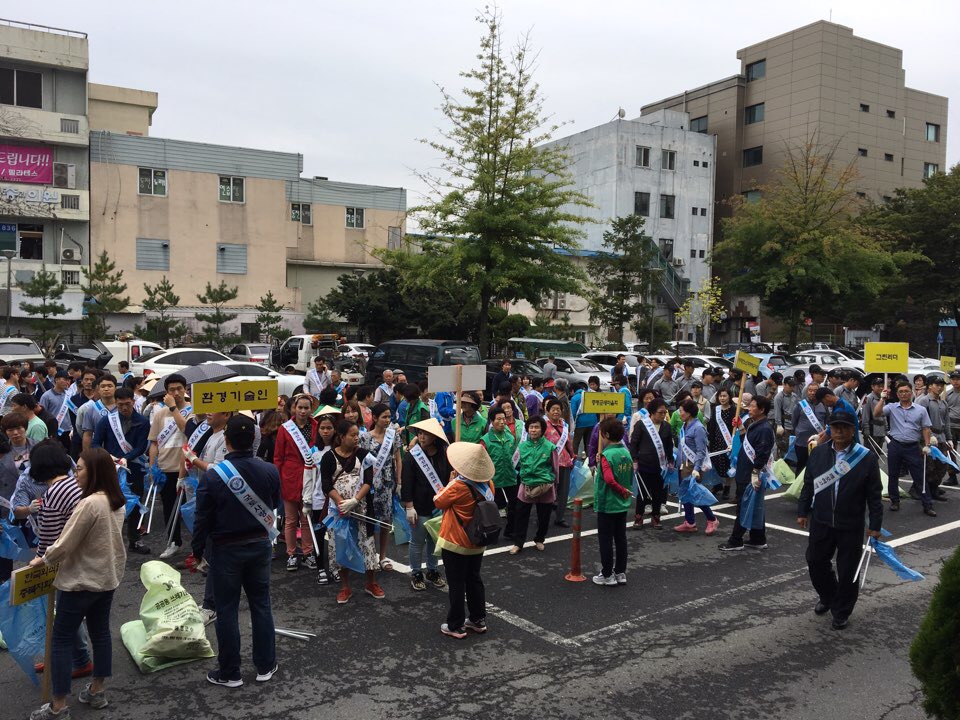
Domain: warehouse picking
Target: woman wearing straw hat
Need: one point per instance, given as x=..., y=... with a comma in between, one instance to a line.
x=425, y=472
x=458, y=500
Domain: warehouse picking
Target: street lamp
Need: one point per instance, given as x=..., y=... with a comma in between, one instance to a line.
x=8, y=254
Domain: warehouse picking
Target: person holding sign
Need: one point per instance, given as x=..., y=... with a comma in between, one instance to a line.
x=842, y=482
x=91, y=557
x=294, y=459
x=909, y=427
x=425, y=473
x=383, y=444
x=235, y=510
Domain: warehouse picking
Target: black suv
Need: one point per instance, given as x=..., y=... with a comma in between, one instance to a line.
x=415, y=357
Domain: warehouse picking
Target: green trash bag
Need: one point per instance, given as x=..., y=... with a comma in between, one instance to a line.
x=793, y=492
x=170, y=630
x=783, y=472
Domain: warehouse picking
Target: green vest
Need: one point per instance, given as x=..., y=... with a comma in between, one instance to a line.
x=472, y=432
x=536, y=462
x=413, y=416
x=606, y=499
x=500, y=448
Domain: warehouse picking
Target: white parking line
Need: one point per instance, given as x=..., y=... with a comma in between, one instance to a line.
x=924, y=534
x=531, y=627
x=769, y=526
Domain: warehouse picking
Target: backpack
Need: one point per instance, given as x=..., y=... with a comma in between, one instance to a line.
x=485, y=525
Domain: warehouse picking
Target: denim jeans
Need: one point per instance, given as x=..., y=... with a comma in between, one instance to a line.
x=72, y=609
x=246, y=566
x=418, y=537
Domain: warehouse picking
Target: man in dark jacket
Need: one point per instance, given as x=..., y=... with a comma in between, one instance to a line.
x=238, y=515
x=842, y=479
x=759, y=442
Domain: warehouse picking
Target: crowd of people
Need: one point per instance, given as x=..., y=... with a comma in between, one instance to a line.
x=324, y=477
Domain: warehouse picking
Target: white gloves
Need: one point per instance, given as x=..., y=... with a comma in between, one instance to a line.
x=780, y=431
x=755, y=480
x=695, y=475
x=812, y=444
x=34, y=507
x=926, y=449
x=189, y=454
x=933, y=440
x=181, y=484
x=347, y=506
x=412, y=515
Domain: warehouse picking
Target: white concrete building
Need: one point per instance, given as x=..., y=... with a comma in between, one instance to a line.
x=657, y=167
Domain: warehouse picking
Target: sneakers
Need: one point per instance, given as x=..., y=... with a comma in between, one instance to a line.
x=138, y=548
x=894, y=505
x=292, y=563
x=216, y=678
x=94, y=700
x=436, y=579
x=930, y=512
x=343, y=597
x=712, y=526
x=417, y=582
x=263, y=677
x=374, y=591
x=458, y=633
x=601, y=579
x=621, y=578
x=208, y=615
x=46, y=713
x=171, y=550
x=322, y=577
x=539, y=546
x=730, y=547
x=685, y=527
x=515, y=550
x=756, y=546
x=310, y=563
x=655, y=522
x=479, y=627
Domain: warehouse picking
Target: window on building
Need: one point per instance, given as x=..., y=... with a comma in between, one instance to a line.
x=887, y=198
x=753, y=156
x=699, y=124
x=394, y=238
x=703, y=212
x=300, y=212
x=705, y=164
x=862, y=152
x=641, y=204
x=891, y=113
x=21, y=87
x=232, y=258
x=30, y=245
x=696, y=163
x=864, y=107
x=153, y=254
x=756, y=70
x=231, y=189
x=668, y=160
x=693, y=211
x=693, y=253
x=666, y=248
x=753, y=114
x=933, y=132
x=152, y=182
x=752, y=195
x=703, y=254
x=930, y=169
x=355, y=218
x=643, y=156
x=888, y=157
x=667, y=205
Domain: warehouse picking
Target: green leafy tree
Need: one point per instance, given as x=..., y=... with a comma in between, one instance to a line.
x=703, y=306
x=269, y=319
x=45, y=293
x=161, y=328
x=103, y=295
x=318, y=317
x=799, y=247
x=514, y=325
x=622, y=276
x=935, y=652
x=372, y=302
x=216, y=298
x=506, y=204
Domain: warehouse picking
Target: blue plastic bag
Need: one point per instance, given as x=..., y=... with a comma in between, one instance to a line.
x=580, y=474
x=133, y=500
x=24, y=629
x=711, y=478
x=889, y=557
x=696, y=494
x=734, y=453
x=401, y=526
x=14, y=545
x=791, y=454
x=346, y=540
x=751, y=512
x=157, y=475
x=188, y=511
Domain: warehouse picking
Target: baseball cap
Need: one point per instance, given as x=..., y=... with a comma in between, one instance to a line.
x=955, y=374
x=841, y=417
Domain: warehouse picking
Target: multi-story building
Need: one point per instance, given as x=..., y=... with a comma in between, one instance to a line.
x=657, y=168
x=818, y=82
x=44, y=167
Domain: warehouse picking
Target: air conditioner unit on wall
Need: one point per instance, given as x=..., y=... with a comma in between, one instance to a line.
x=68, y=254
x=65, y=175
x=678, y=262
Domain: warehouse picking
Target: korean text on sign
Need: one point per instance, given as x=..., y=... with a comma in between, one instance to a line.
x=600, y=403
x=234, y=396
x=29, y=583
x=886, y=357
x=747, y=363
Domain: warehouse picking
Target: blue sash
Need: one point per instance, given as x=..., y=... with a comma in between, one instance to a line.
x=247, y=497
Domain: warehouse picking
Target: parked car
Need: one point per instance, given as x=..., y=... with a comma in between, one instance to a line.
x=164, y=362
x=608, y=360
x=300, y=350
x=251, y=352
x=357, y=350
x=129, y=349
x=702, y=362
x=415, y=357
x=286, y=384
x=577, y=370
x=519, y=366
x=94, y=353
x=17, y=349
x=730, y=349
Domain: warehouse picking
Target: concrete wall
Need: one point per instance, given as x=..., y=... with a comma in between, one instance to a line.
x=44, y=46
x=121, y=110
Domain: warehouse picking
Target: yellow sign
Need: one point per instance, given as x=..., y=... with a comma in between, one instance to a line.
x=29, y=583
x=604, y=403
x=886, y=357
x=232, y=396
x=747, y=362
x=947, y=363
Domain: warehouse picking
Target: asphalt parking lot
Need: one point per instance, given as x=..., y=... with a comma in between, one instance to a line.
x=694, y=634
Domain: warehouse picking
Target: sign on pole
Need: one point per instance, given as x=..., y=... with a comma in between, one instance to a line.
x=886, y=357
x=747, y=363
x=443, y=378
x=948, y=364
x=601, y=403
x=232, y=396
x=29, y=583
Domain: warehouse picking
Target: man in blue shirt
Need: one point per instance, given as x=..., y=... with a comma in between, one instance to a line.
x=909, y=426
x=583, y=423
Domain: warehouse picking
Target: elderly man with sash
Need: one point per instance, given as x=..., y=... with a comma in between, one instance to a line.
x=754, y=465
x=841, y=483
x=236, y=502
x=808, y=420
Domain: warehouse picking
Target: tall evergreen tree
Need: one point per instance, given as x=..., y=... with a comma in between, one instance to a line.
x=103, y=295
x=269, y=319
x=160, y=299
x=45, y=293
x=216, y=298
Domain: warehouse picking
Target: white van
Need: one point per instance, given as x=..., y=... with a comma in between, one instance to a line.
x=129, y=350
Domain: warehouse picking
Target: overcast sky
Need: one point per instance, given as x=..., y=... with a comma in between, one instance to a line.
x=352, y=85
